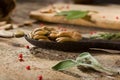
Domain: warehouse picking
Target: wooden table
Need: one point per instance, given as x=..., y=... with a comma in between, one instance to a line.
x=12, y=69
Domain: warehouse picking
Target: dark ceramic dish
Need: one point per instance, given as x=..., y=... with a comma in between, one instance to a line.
x=83, y=44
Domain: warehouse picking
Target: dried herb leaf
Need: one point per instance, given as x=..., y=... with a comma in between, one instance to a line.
x=84, y=60
x=73, y=14
x=64, y=65
x=107, y=36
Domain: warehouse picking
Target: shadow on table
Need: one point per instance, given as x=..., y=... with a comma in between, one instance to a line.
x=61, y=55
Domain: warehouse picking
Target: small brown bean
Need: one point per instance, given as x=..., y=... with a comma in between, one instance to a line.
x=35, y=30
x=64, y=34
x=3, y=23
x=49, y=28
x=7, y=27
x=44, y=40
x=53, y=36
x=6, y=34
x=42, y=32
x=76, y=36
x=37, y=37
x=64, y=39
x=19, y=33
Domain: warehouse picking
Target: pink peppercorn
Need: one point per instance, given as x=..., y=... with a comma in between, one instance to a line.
x=117, y=17
x=67, y=6
x=103, y=17
x=41, y=25
x=59, y=26
x=20, y=55
x=62, y=7
x=27, y=47
x=63, y=29
x=93, y=32
x=40, y=77
x=28, y=67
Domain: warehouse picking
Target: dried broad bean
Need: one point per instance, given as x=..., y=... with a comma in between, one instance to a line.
x=42, y=32
x=53, y=36
x=7, y=27
x=35, y=30
x=64, y=39
x=44, y=40
x=64, y=34
x=37, y=37
x=19, y=34
x=49, y=28
x=76, y=36
x=6, y=34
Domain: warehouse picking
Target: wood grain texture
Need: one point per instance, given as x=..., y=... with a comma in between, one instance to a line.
x=107, y=16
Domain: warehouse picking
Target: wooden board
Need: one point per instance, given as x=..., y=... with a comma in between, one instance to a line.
x=107, y=17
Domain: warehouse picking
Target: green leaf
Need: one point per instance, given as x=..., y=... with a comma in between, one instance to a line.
x=73, y=14
x=83, y=55
x=64, y=65
x=85, y=59
x=63, y=13
x=107, y=36
x=76, y=15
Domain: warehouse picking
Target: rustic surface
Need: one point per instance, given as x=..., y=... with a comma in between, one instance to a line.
x=100, y=19
x=42, y=61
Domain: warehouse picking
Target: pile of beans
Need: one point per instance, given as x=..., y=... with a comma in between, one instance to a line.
x=53, y=34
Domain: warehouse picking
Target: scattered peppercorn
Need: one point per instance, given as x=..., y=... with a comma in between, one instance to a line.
x=103, y=17
x=20, y=55
x=59, y=27
x=93, y=32
x=64, y=29
x=28, y=67
x=27, y=47
x=117, y=17
x=40, y=77
x=67, y=6
x=62, y=7
x=41, y=25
